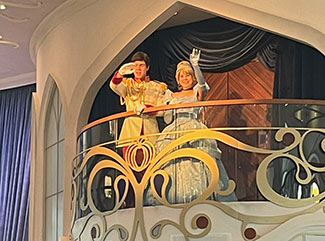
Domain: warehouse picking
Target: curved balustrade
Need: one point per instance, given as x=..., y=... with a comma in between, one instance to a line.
x=254, y=165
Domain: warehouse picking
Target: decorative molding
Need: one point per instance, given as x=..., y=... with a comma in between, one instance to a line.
x=14, y=19
x=52, y=20
x=12, y=43
x=18, y=80
x=18, y=5
x=21, y=5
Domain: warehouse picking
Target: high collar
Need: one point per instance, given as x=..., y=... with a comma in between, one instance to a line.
x=146, y=79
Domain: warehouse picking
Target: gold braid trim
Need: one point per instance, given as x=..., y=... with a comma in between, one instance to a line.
x=139, y=91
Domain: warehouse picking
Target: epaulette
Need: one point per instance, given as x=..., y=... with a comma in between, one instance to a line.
x=127, y=81
x=162, y=84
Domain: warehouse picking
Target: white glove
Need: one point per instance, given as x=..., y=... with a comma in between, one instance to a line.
x=139, y=108
x=195, y=56
x=168, y=116
x=127, y=68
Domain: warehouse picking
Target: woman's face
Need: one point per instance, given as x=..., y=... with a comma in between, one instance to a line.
x=185, y=80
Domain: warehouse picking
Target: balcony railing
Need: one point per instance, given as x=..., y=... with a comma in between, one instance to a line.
x=255, y=164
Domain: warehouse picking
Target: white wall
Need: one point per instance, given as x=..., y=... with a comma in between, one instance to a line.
x=83, y=41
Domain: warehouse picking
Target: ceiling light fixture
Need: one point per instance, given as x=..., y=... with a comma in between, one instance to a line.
x=6, y=4
x=12, y=43
x=3, y=6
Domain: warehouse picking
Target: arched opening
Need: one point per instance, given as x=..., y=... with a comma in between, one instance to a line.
x=256, y=71
x=107, y=182
x=54, y=165
x=166, y=49
x=250, y=77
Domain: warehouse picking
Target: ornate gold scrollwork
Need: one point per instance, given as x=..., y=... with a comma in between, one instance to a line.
x=151, y=167
x=147, y=150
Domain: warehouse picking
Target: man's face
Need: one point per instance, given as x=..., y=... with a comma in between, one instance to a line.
x=140, y=69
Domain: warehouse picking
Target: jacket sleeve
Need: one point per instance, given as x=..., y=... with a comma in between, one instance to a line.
x=116, y=84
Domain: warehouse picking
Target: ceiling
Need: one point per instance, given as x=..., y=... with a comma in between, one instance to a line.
x=186, y=15
x=17, y=23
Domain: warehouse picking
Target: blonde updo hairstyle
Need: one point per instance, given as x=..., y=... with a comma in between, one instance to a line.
x=185, y=68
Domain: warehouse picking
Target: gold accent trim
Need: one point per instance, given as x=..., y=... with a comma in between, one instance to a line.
x=148, y=151
x=171, y=151
x=209, y=103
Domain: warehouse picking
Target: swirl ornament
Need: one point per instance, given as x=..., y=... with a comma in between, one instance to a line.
x=14, y=44
x=151, y=166
x=139, y=154
x=18, y=5
x=7, y=42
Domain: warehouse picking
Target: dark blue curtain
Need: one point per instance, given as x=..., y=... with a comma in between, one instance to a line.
x=15, y=122
x=300, y=71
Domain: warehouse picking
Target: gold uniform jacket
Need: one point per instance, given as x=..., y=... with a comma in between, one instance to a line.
x=147, y=92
